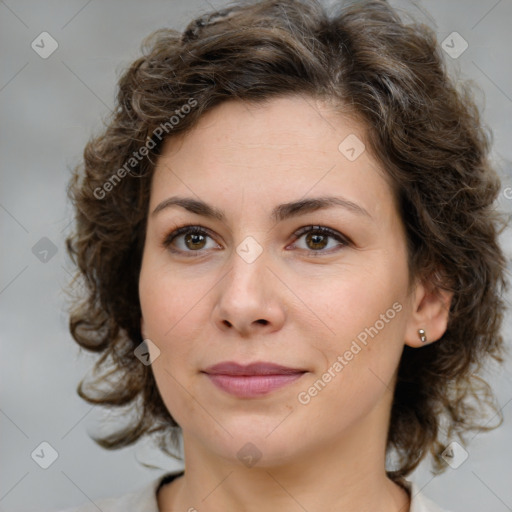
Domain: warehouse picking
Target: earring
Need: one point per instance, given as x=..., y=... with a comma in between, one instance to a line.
x=422, y=335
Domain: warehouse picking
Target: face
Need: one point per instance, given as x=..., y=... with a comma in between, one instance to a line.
x=319, y=289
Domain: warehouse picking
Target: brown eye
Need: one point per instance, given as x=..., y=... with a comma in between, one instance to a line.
x=188, y=239
x=317, y=239
x=194, y=241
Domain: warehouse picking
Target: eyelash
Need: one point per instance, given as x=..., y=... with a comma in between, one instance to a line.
x=198, y=230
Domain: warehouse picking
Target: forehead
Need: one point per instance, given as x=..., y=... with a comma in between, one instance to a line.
x=277, y=151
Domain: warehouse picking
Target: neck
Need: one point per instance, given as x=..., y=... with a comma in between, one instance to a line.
x=348, y=475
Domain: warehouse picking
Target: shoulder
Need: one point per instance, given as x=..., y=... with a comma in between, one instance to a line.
x=419, y=502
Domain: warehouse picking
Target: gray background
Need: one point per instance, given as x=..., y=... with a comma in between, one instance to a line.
x=49, y=108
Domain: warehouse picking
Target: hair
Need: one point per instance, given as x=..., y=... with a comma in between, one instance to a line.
x=422, y=127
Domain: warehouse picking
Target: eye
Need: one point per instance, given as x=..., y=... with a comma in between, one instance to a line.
x=192, y=238
x=317, y=238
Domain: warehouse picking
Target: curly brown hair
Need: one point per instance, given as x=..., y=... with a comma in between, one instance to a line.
x=423, y=129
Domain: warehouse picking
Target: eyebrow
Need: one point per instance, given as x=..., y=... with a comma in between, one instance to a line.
x=279, y=213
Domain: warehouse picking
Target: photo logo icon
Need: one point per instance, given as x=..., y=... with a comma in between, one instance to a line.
x=351, y=147
x=249, y=250
x=454, y=45
x=249, y=454
x=454, y=455
x=44, y=45
x=147, y=352
x=44, y=455
x=44, y=250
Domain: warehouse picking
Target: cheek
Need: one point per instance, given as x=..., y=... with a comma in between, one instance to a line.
x=171, y=324
x=355, y=298
x=365, y=312
x=175, y=395
x=171, y=310
x=358, y=369
x=164, y=296
x=171, y=321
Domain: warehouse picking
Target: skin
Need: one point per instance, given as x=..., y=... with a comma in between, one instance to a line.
x=301, y=304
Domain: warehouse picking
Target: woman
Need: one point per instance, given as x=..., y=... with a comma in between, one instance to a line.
x=291, y=257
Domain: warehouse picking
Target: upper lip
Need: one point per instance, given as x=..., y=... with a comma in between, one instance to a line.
x=257, y=368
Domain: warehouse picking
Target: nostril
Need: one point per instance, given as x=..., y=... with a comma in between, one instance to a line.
x=261, y=321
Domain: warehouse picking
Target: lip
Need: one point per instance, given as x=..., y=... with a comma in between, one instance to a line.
x=252, y=380
x=256, y=368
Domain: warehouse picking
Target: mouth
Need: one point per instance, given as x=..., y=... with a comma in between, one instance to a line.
x=252, y=380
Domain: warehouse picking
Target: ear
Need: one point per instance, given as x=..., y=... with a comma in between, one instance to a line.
x=430, y=312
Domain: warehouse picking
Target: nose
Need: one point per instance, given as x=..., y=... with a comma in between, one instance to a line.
x=249, y=300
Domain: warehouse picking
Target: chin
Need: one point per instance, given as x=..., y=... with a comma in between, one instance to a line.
x=262, y=444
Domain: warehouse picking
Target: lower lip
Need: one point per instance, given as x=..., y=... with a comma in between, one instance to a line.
x=250, y=386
